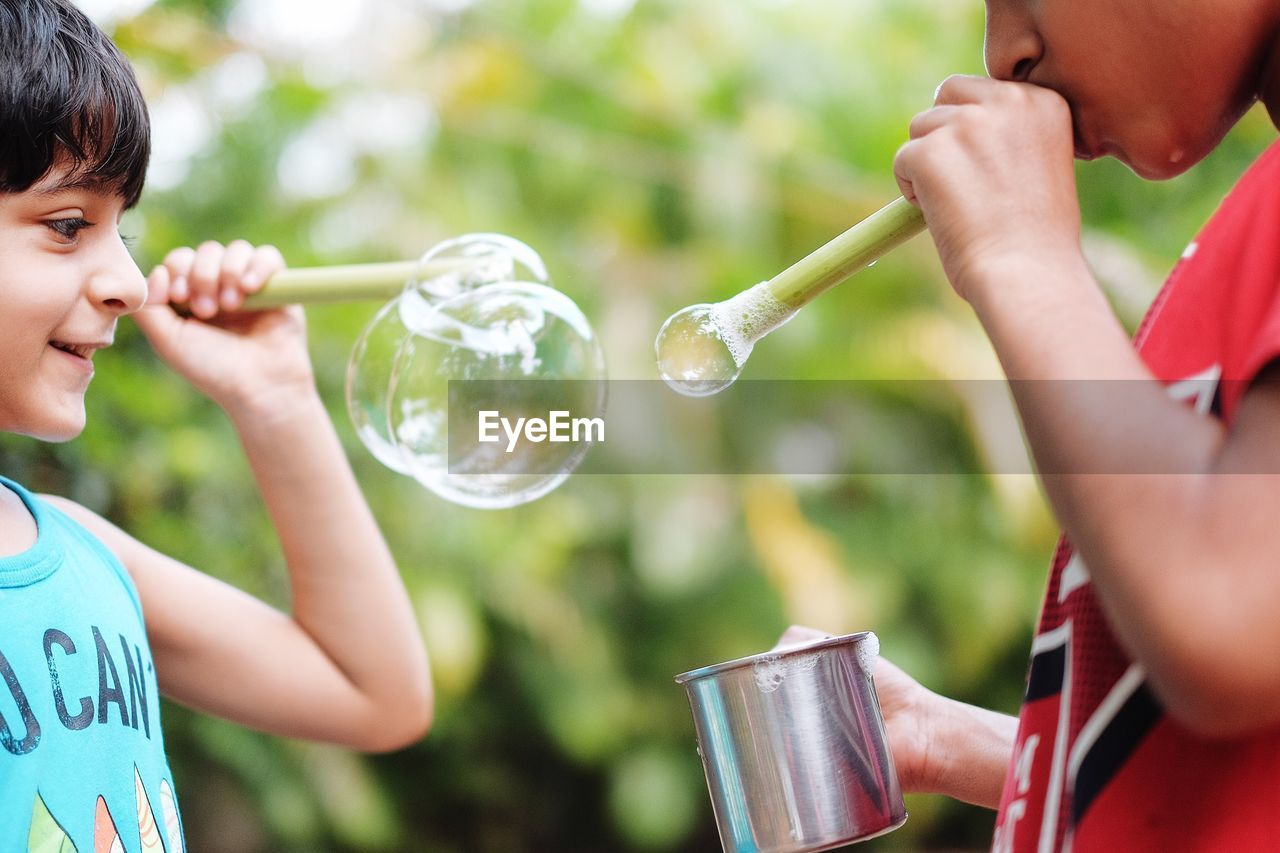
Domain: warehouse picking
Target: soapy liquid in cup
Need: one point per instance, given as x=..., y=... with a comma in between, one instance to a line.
x=702, y=349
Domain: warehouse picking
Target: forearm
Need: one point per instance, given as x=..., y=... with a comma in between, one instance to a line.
x=1168, y=550
x=1133, y=477
x=970, y=751
x=1099, y=426
x=347, y=594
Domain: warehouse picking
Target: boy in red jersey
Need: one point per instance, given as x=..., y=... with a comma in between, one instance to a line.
x=1152, y=714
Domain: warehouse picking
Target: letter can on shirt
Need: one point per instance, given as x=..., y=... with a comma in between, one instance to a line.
x=82, y=759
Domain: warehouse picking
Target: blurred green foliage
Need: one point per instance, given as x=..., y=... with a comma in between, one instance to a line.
x=656, y=154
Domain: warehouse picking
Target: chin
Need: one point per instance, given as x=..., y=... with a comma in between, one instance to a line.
x=1165, y=155
x=55, y=416
x=1156, y=168
x=65, y=432
x=61, y=437
x=1164, y=172
x=53, y=435
x=57, y=430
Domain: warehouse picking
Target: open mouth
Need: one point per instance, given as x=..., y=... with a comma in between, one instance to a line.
x=84, y=351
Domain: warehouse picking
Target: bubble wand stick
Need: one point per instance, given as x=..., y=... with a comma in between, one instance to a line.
x=347, y=283
x=702, y=349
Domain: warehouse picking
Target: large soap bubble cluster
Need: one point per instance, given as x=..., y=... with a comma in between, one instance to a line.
x=493, y=317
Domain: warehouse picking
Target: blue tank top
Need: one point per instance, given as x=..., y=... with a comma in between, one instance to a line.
x=82, y=764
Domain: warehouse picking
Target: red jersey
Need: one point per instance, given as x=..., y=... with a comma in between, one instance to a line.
x=1097, y=764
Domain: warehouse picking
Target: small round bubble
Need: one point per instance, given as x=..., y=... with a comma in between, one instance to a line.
x=694, y=354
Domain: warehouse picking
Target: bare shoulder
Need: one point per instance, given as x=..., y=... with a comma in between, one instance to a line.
x=17, y=527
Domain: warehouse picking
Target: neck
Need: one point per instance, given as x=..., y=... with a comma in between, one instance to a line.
x=1269, y=81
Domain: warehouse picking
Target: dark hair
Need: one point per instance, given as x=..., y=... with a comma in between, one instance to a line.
x=68, y=96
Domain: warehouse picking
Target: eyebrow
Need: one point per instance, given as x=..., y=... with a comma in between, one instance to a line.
x=83, y=181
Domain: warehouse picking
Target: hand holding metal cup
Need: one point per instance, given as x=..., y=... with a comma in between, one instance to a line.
x=794, y=748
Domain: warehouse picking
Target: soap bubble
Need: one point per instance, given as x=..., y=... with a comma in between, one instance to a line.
x=702, y=349
x=694, y=357
x=371, y=360
x=510, y=332
x=480, y=259
x=480, y=308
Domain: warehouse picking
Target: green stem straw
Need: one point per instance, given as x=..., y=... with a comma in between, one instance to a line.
x=859, y=247
x=701, y=349
x=317, y=285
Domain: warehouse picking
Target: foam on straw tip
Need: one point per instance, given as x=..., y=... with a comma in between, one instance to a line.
x=746, y=318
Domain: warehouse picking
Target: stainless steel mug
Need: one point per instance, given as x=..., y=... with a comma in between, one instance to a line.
x=793, y=745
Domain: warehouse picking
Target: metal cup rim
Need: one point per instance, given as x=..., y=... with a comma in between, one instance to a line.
x=771, y=655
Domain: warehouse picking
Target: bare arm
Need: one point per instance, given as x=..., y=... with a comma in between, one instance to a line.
x=1182, y=563
x=347, y=594
x=347, y=664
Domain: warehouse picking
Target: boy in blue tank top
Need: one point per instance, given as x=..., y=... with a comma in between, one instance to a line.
x=82, y=763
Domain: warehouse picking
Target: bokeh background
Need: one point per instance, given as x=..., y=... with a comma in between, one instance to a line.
x=657, y=153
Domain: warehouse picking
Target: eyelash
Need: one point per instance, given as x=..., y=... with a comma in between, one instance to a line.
x=69, y=229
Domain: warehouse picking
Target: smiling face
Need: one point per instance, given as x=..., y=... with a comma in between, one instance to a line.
x=65, y=279
x=1154, y=83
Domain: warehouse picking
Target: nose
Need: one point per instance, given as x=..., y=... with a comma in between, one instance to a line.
x=116, y=283
x=1013, y=46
